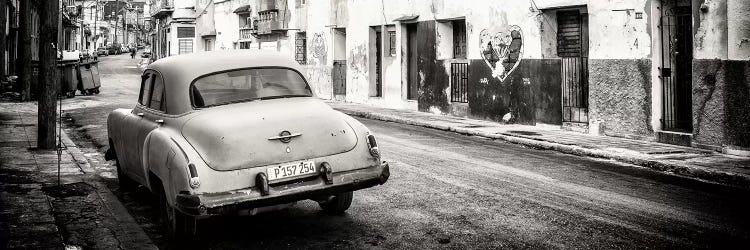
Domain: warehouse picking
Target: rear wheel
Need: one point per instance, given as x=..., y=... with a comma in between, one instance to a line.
x=178, y=226
x=338, y=204
x=125, y=182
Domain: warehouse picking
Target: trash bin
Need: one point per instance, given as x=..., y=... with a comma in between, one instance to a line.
x=68, y=77
x=89, y=75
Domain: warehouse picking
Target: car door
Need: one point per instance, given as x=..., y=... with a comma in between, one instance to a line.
x=128, y=141
x=153, y=116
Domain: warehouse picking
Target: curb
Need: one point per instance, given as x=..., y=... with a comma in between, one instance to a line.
x=684, y=170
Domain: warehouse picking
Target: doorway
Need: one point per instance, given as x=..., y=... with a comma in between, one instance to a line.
x=572, y=48
x=412, y=79
x=339, y=62
x=676, y=66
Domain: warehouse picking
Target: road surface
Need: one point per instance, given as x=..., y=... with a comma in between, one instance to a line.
x=453, y=191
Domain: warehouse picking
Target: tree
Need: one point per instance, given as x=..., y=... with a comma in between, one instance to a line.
x=48, y=80
x=23, y=60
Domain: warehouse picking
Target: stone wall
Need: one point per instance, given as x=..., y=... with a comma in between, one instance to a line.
x=620, y=97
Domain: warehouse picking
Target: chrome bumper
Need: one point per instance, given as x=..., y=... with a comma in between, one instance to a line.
x=229, y=202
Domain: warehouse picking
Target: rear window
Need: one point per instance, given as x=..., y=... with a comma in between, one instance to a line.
x=248, y=85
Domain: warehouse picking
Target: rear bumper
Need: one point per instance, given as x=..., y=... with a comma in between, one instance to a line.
x=203, y=205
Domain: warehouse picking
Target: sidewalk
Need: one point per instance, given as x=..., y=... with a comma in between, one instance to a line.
x=684, y=161
x=37, y=213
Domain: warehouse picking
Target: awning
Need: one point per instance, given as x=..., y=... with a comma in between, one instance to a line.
x=406, y=18
x=244, y=8
x=210, y=33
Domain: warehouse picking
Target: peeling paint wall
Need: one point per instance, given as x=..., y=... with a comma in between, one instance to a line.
x=721, y=75
x=319, y=48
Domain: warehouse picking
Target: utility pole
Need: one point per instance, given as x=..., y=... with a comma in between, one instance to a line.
x=3, y=63
x=23, y=61
x=96, y=29
x=48, y=80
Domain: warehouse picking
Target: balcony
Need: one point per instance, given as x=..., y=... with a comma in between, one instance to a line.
x=247, y=33
x=269, y=26
x=162, y=8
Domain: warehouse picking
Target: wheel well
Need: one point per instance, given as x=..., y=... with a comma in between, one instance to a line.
x=155, y=183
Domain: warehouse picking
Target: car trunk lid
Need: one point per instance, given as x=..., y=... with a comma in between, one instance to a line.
x=246, y=135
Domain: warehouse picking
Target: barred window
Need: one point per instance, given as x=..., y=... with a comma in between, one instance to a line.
x=300, y=51
x=186, y=46
x=392, y=43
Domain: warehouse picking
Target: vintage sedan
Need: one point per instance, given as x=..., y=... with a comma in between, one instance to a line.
x=238, y=132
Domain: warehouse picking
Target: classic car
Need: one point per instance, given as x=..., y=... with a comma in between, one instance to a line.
x=229, y=132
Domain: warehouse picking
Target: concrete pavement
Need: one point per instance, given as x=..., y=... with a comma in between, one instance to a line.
x=36, y=213
x=683, y=161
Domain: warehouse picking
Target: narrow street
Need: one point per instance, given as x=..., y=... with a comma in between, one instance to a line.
x=454, y=191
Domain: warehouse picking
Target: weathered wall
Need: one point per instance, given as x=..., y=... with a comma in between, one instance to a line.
x=319, y=48
x=721, y=103
x=721, y=74
x=529, y=95
x=620, y=96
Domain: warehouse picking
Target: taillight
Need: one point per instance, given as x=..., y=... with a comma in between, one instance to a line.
x=373, y=145
x=194, y=181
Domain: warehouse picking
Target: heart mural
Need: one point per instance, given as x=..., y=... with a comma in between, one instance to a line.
x=502, y=50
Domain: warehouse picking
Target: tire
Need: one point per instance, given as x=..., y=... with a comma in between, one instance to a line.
x=338, y=204
x=178, y=226
x=125, y=182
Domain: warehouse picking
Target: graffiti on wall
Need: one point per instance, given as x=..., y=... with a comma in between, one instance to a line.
x=502, y=50
x=318, y=47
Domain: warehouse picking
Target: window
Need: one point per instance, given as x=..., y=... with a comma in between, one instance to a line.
x=244, y=45
x=147, y=80
x=185, y=32
x=300, y=51
x=247, y=85
x=392, y=43
x=186, y=46
x=459, y=39
x=157, y=95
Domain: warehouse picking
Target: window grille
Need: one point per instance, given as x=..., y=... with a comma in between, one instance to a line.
x=392, y=43
x=185, y=32
x=186, y=46
x=301, y=48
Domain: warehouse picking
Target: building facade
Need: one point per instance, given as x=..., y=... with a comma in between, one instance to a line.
x=663, y=70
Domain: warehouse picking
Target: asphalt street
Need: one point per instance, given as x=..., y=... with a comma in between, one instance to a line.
x=454, y=191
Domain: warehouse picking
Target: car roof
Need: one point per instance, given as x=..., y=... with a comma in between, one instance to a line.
x=178, y=72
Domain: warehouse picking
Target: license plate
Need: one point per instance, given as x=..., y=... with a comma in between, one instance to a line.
x=289, y=170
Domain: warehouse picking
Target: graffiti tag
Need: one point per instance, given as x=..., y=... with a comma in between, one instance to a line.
x=502, y=50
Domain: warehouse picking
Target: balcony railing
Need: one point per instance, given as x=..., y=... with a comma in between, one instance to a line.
x=247, y=33
x=162, y=7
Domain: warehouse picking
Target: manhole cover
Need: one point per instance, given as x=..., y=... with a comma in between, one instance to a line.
x=68, y=190
x=520, y=132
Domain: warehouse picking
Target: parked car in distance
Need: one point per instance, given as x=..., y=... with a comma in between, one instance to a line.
x=145, y=54
x=113, y=50
x=102, y=51
x=227, y=132
x=139, y=46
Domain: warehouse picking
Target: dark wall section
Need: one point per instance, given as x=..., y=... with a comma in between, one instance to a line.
x=530, y=94
x=620, y=96
x=721, y=102
x=432, y=77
